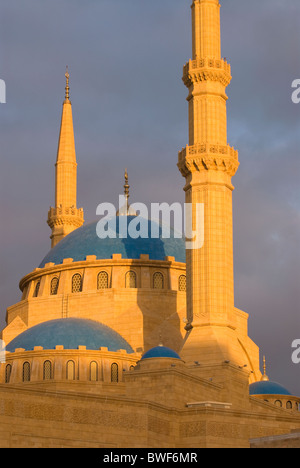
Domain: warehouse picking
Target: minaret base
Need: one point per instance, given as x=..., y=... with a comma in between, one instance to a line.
x=213, y=345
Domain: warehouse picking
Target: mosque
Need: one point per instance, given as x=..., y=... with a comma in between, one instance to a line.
x=128, y=343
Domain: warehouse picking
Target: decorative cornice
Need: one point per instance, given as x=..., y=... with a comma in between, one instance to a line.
x=206, y=69
x=208, y=157
x=61, y=216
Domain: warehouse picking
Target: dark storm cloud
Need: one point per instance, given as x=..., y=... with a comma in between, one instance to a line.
x=125, y=59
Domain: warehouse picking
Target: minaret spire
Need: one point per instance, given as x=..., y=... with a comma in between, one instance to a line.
x=65, y=217
x=208, y=164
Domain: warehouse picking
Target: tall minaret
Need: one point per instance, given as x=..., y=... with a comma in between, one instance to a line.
x=208, y=164
x=65, y=217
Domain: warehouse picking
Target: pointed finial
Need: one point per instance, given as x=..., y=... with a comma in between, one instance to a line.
x=126, y=189
x=160, y=341
x=126, y=210
x=265, y=377
x=67, y=75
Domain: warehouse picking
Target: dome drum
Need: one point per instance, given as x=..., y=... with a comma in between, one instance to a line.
x=91, y=267
x=67, y=349
x=109, y=291
x=62, y=365
x=274, y=393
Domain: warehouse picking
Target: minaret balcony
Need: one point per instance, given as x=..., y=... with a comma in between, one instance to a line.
x=206, y=69
x=206, y=156
x=60, y=215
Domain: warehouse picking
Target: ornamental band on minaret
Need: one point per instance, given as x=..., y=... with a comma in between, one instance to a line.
x=65, y=216
x=208, y=164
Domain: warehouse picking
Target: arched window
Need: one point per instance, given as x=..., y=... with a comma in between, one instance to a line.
x=8, y=370
x=54, y=286
x=289, y=405
x=76, y=283
x=37, y=289
x=130, y=279
x=102, y=280
x=26, y=372
x=158, y=281
x=47, y=371
x=70, y=370
x=114, y=372
x=94, y=371
x=278, y=403
x=131, y=368
x=182, y=283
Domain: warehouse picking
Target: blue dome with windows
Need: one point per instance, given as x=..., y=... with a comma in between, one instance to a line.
x=160, y=352
x=84, y=241
x=70, y=333
x=265, y=387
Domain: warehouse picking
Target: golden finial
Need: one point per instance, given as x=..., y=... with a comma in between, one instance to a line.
x=265, y=377
x=67, y=75
x=126, y=210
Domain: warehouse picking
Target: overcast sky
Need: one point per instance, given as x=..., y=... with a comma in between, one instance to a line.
x=125, y=58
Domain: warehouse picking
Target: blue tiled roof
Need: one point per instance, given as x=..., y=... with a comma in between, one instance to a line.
x=267, y=388
x=71, y=333
x=84, y=241
x=160, y=352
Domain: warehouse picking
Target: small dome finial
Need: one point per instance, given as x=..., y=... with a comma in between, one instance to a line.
x=126, y=189
x=67, y=75
x=265, y=377
x=126, y=210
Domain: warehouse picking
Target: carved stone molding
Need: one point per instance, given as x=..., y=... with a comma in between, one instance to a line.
x=208, y=157
x=206, y=69
x=61, y=216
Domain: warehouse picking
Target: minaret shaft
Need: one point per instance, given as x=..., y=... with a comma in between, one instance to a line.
x=208, y=164
x=206, y=29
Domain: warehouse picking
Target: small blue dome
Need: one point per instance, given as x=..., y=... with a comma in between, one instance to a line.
x=265, y=387
x=160, y=352
x=71, y=333
x=84, y=241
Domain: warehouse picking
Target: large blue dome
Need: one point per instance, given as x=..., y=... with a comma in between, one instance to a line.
x=265, y=387
x=84, y=241
x=71, y=333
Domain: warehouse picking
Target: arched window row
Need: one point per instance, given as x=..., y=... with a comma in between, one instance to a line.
x=104, y=282
x=70, y=371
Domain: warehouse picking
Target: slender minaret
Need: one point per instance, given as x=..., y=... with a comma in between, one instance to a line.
x=208, y=164
x=65, y=217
